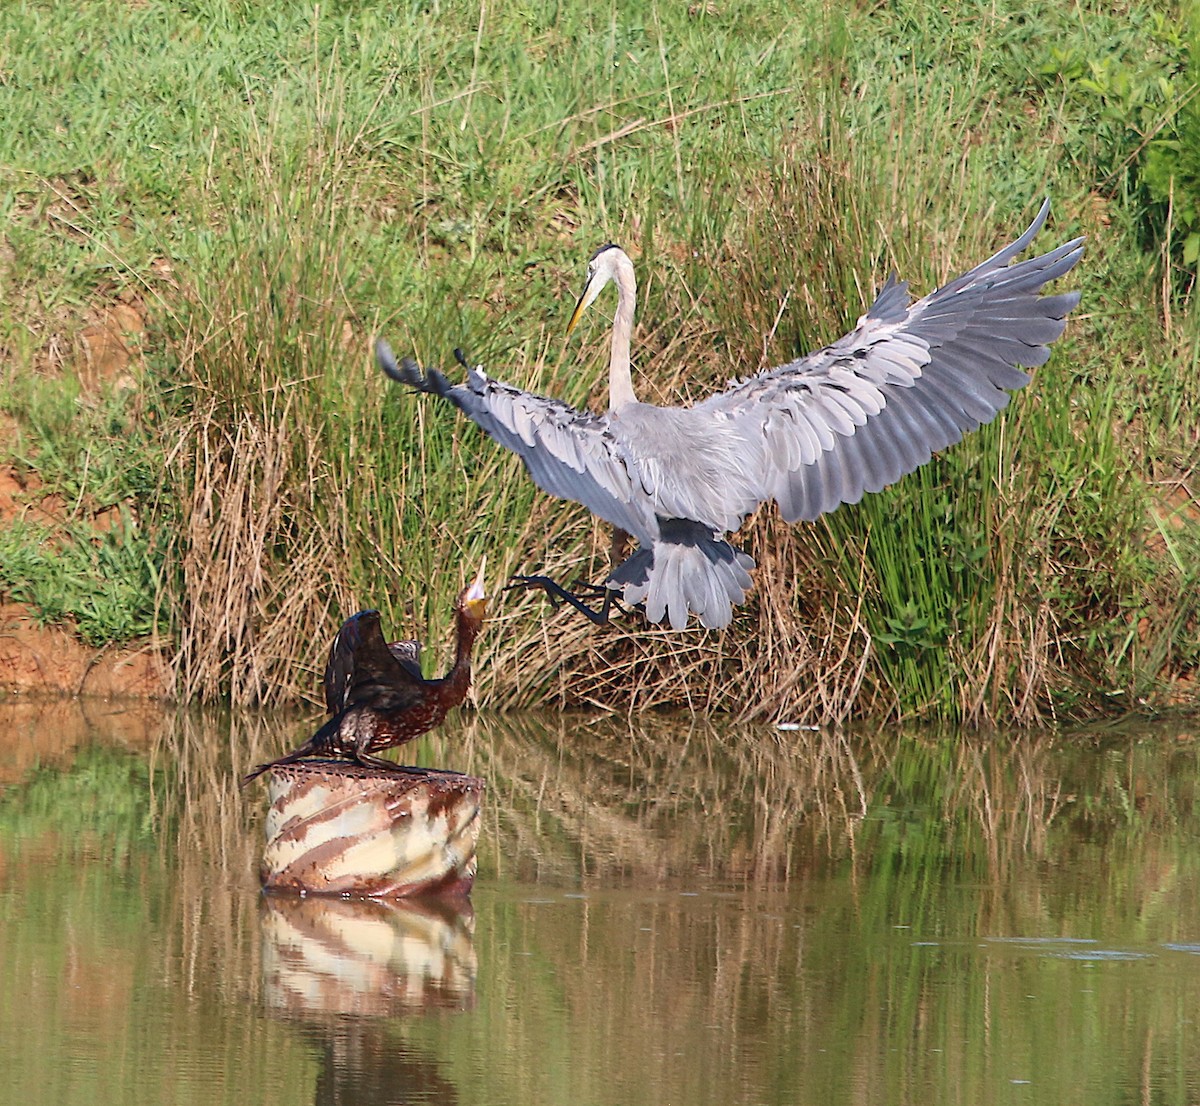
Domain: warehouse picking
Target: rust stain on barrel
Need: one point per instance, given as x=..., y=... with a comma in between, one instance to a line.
x=344, y=829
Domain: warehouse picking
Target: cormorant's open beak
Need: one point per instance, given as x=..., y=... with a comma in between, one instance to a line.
x=476, y=600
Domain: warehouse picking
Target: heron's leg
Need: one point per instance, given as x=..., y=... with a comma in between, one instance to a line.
x=558, y=594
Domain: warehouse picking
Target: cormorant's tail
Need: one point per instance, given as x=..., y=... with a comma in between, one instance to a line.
x=317, y=745
x=687, y=570
x=305, y=750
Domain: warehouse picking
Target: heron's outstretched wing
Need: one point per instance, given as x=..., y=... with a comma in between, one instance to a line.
x=908, y=381
x=569, y=453
x=362, y=665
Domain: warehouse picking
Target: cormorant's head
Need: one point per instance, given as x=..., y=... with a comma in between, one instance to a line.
x=474, y=599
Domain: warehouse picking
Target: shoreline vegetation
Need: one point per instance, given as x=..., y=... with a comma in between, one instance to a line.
x=211, y=210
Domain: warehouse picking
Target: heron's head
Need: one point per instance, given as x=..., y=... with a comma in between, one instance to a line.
x=602, y=267
x=474, y=598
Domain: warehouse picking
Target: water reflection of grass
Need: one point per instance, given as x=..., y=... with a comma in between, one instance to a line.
x=101, y=797
x=731, y=802
x=583, y=802
x=104, y=997
x=854, y=959
x=841, y=947
x=578, y=799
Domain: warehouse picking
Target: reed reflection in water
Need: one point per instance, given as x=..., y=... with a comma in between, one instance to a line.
x=673, y=912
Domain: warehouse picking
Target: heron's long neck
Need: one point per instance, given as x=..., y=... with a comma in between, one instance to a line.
x=620, y=377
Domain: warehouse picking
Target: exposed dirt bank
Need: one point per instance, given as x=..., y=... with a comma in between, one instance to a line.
x=52, y=660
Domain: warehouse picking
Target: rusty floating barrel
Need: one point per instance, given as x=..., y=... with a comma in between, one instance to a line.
x=337, y=828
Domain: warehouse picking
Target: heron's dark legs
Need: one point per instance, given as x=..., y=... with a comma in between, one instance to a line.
x=607, y=596
x=558, y=594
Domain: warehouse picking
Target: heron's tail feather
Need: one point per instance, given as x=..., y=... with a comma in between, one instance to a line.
x=686, y=571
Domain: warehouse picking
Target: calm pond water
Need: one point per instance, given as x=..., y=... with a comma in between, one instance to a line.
x=668, y=912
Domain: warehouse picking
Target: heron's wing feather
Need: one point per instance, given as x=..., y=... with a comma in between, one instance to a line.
x=909, y=380
x=569, y=453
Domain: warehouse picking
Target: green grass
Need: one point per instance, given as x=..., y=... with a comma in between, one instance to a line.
x=85, y=544
x=272, y=187
x=105, y=583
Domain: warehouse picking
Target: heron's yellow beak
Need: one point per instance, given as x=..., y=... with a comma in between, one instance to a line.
x=580, y=307
x=590, y=291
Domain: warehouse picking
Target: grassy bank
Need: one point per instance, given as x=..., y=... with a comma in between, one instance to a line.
x=239, y=198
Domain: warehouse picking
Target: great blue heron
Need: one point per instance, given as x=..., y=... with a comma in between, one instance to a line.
x=376, y=694
x=824, y=429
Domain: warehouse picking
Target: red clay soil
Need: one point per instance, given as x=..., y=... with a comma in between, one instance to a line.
x=53, y=659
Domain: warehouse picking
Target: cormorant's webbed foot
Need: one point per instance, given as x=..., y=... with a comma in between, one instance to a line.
x=558, y=594
x=289, y=758
x=309, y=756
x=250, y=777
x=365, y=760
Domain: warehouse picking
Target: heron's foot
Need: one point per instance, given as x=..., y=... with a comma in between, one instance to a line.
x=585, y=589
x=557, y=595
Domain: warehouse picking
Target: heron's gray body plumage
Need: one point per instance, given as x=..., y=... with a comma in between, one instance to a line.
x=823, y=430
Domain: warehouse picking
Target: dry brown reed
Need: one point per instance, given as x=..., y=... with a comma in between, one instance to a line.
x=312, y=488
x=252, y=561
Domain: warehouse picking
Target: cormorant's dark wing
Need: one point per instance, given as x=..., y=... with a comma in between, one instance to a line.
x=408, y=653
x=908, y=381
x=364, y=670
